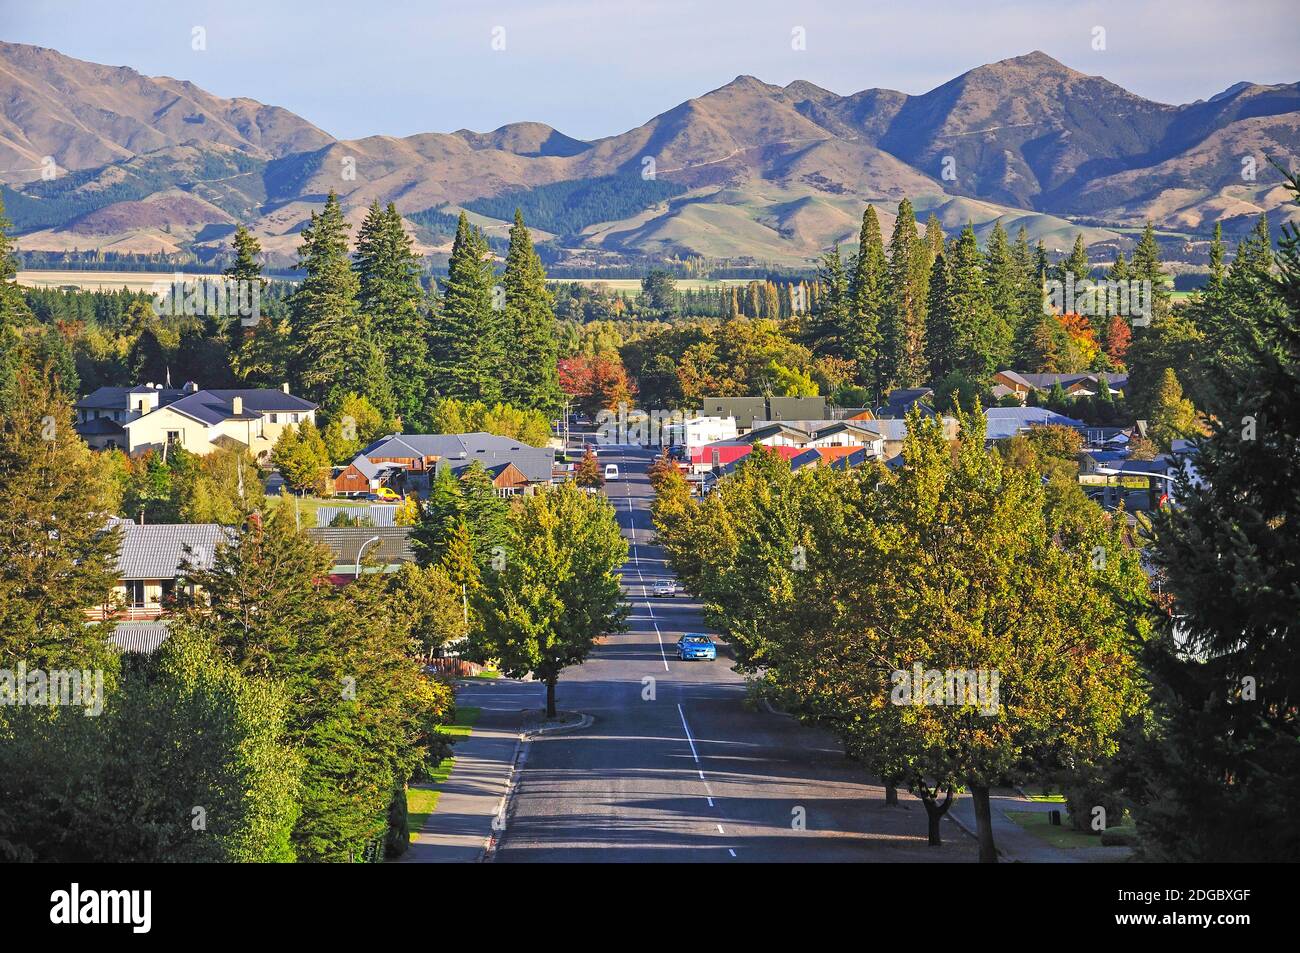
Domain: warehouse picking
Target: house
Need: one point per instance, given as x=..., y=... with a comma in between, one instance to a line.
x=363, y=475
x=697, y=431
x=252, y=418
x=829, y=439
x=899, y=402
x=354, y=546
x=514, y=466
x=378, y=514
x=742, y=409
x=102, y=414
x=1075, y=385
x=149, y=562
x=745, y=410
x=1004, y=422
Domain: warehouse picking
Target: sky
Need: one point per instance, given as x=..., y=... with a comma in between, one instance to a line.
x=594, y=68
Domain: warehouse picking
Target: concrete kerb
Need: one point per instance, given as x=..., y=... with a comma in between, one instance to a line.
x=506, y=808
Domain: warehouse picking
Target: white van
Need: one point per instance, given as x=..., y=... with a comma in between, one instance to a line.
x=611, y=471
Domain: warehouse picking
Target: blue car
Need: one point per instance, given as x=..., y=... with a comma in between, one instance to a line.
x=696, y=645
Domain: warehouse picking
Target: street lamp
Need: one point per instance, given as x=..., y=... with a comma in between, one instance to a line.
x=372, y=539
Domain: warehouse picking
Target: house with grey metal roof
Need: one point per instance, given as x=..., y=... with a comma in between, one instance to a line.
x=150, y=561
x=1004, y=422
x=512, y=464
x=381, y=514
x=252, y=418
x=364, y=549
x=101, y=415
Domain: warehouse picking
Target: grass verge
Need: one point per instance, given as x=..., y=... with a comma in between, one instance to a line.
x=1064, y=837
x=423, y=801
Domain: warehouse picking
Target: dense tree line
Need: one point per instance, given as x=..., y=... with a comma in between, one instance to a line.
x=566, y=208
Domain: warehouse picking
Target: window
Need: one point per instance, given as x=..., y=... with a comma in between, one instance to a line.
x=135, y=593
x=275, y=418
x=293, y=418
x=173, y=436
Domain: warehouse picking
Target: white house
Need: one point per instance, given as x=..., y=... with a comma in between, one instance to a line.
x=697, y=431
x=202, y=420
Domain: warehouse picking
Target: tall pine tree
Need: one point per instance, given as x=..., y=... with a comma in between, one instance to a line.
x=533, y=380
x=467, y=349
x=867, y=305
x=332, y=356
x=391, y=299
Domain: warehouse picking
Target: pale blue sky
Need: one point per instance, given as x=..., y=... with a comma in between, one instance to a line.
x=597, y=67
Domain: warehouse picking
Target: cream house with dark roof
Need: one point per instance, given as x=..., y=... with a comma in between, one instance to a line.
x=200, y=421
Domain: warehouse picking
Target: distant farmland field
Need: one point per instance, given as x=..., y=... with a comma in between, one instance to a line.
x=632, y=286
x=103, y=280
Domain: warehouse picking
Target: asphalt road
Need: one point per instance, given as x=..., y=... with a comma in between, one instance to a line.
x=677, y=767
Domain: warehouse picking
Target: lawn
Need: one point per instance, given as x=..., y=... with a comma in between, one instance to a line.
x=423, y=801
x=308, y=505
x=1064, y=837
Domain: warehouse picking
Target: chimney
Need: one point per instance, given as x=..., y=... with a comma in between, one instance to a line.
x=237, y=406
x=285, y=387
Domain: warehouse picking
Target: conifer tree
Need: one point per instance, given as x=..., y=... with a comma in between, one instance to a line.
x=1076, y=263
x=904, y=335
x=58, y=554
x=1005, y=281
x=328, y=331
x=13, y=308
x=1027, y=279
x=246, y=267
x=1147, y=266
x=826, y=330
x=940, y=333
x=1216, y=256
x=1219, y=768
x=867, y=305
x=981, y=342
x=466, y=340
x=391, y=301
x=532, y=380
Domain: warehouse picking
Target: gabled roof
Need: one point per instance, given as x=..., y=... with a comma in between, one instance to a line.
x=211, y=407
x=773, y=430
x=1002, y=422
x=157, y=550
x=805, y=459
x=118, y=398
x=98, y=427
x=365, y=467
x=909, y=395
x=536, y=464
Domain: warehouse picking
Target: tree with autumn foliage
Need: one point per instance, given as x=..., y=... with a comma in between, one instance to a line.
x=837, y=585
x=1118, y=338
x=597, y=382
x=587, y=473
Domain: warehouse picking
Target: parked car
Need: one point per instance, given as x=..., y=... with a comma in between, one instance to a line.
x=666, y=588
x=694, y=645
x=388, y=495
x=611, y=471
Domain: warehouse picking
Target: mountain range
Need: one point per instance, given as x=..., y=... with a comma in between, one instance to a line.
x=102, y=157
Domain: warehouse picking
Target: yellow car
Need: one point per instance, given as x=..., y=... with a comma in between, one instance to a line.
x=387, y=495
